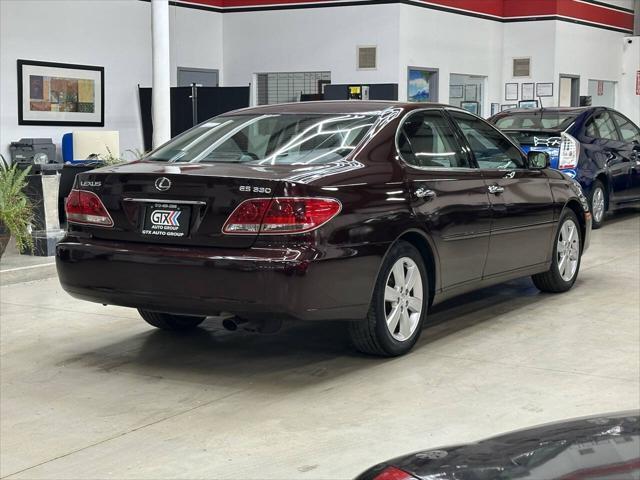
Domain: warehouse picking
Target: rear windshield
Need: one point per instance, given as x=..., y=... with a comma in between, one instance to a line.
x=536, y=120
x=278, y=139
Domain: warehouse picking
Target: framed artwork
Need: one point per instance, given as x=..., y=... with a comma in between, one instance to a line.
x=544, y=89
x=60, y=94
x=528, y=104
x=456, y=91
x=507, y=106
x=528, y=91
x=495, y=108
x=472, y=107
x=471, y=93
x=511, y=91
x=419, y=85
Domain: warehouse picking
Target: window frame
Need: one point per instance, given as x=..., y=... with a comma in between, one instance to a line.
x=613, y=114
x=467, y=146
x=456, y=135
x=592, y=118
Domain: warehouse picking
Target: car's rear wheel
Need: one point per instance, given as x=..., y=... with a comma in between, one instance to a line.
x=398, y=307
x=598, y=204
x=170, y=321
x=567, y=253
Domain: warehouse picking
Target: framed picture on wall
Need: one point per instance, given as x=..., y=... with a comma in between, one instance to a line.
x=507, y=106
x=544, y=89
x=422, y=84
x=528, y=91
x=456, y=91
x=495, y=108
x=511, y=91
x=472, y=107
x=60, y=94
x=528, y=104
x=471, y=93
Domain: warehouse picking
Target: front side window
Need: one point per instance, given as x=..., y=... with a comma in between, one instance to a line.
x=273, y=139
x=491, y=149
x=628, y=131
x=601, y=126
x=427, y=140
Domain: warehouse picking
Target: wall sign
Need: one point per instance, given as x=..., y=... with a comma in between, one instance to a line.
x=60, y=94
x=511, y=91
x=528, y=91
x=544, y=89
x=638, y=82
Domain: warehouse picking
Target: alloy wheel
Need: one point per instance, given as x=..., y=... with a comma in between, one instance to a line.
x=597, y=204
x=568, y=250
x=403, y=299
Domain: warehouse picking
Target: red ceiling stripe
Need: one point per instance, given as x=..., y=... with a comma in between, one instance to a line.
x=502, y=9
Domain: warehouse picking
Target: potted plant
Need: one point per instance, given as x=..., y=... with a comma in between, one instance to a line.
x=16, y=211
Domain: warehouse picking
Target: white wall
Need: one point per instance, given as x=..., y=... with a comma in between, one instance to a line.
x=453, y=44
x=115, y=34
x=536, y=40
x=196, y=39
x=626, y=99
x=320, y=39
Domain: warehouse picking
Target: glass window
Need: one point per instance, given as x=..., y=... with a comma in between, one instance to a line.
x=490, y=147
x=537, y=119
x=426, y=139
x=275, y=139
x=601, y=126
x=628, y=130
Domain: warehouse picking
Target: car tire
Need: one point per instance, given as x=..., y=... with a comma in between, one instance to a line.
x=598, y=201
x=558, y=279
x=393, y=323
x=170, y=321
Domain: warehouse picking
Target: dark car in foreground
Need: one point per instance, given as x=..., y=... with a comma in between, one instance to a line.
x=597, y=146
x=368, y=212
x=605, y=447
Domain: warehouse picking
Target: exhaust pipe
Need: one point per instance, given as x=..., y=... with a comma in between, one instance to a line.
x=257, y=326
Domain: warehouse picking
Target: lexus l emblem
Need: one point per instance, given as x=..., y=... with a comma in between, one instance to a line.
x=163, y=184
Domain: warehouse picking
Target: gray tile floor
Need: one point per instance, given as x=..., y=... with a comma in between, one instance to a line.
x=92, y=392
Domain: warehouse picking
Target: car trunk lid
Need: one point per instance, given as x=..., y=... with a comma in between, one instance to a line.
x=178, y=204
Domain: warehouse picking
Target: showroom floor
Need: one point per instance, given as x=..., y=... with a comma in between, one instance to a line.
x=92, y=392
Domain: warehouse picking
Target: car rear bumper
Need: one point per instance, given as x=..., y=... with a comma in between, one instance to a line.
x=304, y=283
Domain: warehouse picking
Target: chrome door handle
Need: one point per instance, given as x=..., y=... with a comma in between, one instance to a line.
x=495, y=189
x=424, y=193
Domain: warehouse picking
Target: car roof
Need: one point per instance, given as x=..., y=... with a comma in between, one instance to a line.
x=576, y=110
x=334, y=106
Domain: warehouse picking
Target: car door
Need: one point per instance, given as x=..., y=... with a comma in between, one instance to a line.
x=606, y=148
x=522, y=205
x=448, y=196
x=630, y=136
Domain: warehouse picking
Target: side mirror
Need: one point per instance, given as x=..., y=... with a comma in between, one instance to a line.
x=538, y=160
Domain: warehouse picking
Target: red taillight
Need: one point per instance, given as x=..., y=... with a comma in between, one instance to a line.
x=393, y=473
x=281, y=215
x=87, y=208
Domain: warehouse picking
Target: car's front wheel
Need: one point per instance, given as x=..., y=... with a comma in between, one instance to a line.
x=398, y=307
x=567, y=253
x=170, y=321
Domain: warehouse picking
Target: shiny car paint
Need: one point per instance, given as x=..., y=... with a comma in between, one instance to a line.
x=616, y=163
x=469, y=238
x=603, y=446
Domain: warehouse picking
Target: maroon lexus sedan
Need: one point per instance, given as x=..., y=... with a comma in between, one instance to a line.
x=368, y=212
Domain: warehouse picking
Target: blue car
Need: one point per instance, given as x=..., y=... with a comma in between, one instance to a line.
x=597, y=146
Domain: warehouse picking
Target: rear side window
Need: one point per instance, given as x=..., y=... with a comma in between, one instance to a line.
x=601, y=126
x=628, y=131
x=491, y=149
x=426, y=139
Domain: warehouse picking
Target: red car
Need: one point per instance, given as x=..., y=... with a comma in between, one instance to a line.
x=368, y=212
